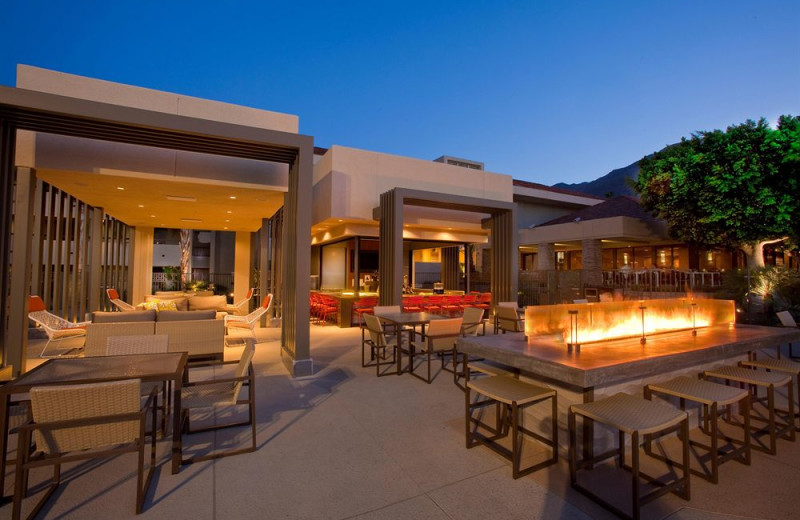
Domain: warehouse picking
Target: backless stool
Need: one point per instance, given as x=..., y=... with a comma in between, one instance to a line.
x=514, y=396
x=711, y=396
x=636, y=417
x=783, y=366
x=756, y=379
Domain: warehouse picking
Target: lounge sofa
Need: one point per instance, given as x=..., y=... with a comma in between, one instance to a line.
x=195, y=332
x=191, y=302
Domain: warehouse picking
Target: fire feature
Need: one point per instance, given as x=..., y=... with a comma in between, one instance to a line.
x=579, y=324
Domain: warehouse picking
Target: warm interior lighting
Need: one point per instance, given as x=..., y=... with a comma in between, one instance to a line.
x=141, y=205
x=233, y=197
x=579, y=324
x=121, y=188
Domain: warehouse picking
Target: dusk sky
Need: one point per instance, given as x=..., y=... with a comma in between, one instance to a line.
x=555, y=91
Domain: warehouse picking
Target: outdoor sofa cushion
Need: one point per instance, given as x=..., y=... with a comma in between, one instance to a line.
x=181, y=302
x=209, y=314
x=123, y=317
x=217, y=303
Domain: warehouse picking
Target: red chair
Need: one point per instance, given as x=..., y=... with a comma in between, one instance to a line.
x=413, y=304
x=364, y=306
x=452, y=305
x=328, y=307
x=484, y=301
x=434, y=304
x=469, y=300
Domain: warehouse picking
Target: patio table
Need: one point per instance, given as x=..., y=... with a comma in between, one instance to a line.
x=401, y=319
x=169, y=366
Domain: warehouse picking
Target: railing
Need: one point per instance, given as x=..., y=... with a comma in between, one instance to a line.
x=661, y=280
x=222, y=282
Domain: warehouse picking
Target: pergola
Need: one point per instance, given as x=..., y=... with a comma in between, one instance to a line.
x=503, y=239
x=41, y=112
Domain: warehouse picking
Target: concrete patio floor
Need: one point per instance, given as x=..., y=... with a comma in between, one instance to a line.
x=345, y=444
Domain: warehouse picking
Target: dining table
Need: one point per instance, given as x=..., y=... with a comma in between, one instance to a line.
x=168, y=366
x=405, y=322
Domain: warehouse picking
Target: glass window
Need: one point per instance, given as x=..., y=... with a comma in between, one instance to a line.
x=664, y=257
x=608, y=259
x=643, y=258
x=576, y=260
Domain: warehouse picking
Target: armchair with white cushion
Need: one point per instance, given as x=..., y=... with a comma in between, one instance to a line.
x=57, y=328
x=247, y=324
x=241, y=307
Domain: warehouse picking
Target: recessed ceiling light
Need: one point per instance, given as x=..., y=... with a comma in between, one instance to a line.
x=227, y=220
x=152, y=216
x=229, y=211
x=141, y=205
x=233, y=197
x=191, y=220
x=179, y=198
x=121, y=188
x=226, y=227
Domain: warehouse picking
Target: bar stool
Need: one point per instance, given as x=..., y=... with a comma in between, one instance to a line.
x=769, y=380
x=636, y=417
x=779, y=365
x=514, y=396
x=712, y=396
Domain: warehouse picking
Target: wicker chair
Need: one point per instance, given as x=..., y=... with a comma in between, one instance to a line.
x=248, y=323
x=80, y=422
x=144, y=344
x=241, y=307
x=222, y=392
x=378, y=342
x=114, y=298
x=440, y=339
x=508, y=320
x=58, y=329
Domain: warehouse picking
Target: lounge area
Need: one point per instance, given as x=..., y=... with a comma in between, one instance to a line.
x=346, y=444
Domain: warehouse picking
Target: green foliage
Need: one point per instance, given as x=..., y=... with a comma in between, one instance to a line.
x=778, y=287
x=731, y=188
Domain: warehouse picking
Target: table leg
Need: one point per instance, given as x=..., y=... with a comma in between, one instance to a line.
x=177, y=423
x=588, y=427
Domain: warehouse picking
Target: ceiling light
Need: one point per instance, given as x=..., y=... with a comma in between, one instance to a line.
x=178, y=198
x=340, y=220
x=120, y=188
x=191, y=220
x=141, y=205
x=152, y=216
x=227, y=220
x=226, y=227
x=233, y=197
x=229, y=211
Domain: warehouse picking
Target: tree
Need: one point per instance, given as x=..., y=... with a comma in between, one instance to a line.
x=739, y=188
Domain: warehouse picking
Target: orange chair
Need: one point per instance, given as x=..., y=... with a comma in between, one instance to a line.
x=452, y=305
x=413, y=304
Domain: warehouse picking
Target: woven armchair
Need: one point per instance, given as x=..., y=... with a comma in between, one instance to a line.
x=80, y=422
x=145, y=344
x=247, y=324
x=440, y=339
x=113, y=297
x=241, y=307
x=58, y=329
x=378, y=342
x=220, y=393
x=508, y=320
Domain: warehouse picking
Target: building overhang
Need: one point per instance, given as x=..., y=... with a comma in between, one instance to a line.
x=617, y=229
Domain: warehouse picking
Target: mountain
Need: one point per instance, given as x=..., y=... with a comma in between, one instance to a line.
x=611, y=183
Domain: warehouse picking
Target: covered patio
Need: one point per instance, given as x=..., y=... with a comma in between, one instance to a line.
x=346, y=444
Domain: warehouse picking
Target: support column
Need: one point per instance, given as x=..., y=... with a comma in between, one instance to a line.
x=592, y=261
x=96, y=262
x=8, y=140
x=241, y=266
x=546, y=257
x=17, y=344
x=505, y=256
x=142, y=263
x=390, y=251
x=467, y=268
x=296, y=268
x=450, y=274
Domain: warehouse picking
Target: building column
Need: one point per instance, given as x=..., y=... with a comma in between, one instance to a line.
x=142, y=263
x=592, y=261
x=505, y=257
x=450, y=274
x=241, y=266
x=16, y=344
x=546, y=257
x=390, y=252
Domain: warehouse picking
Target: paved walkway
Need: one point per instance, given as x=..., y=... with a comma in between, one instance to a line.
x=345, y=444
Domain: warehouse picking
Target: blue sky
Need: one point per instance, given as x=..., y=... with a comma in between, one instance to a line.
x=547, y=91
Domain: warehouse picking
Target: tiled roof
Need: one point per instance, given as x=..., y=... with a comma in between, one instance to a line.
x=537, y=186
x=622, y=206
